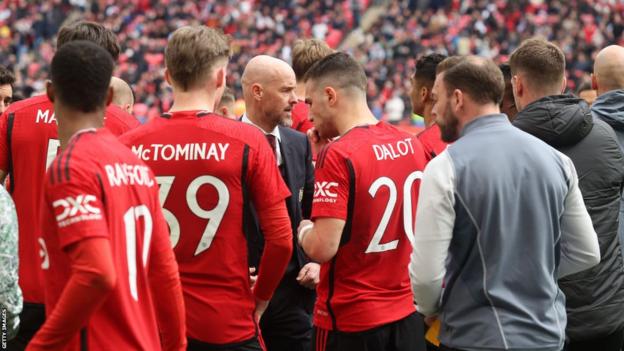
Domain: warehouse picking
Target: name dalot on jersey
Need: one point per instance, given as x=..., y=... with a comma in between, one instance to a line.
x=74, y=209
x=176, y=152
x=325, y=192
x=392, y=151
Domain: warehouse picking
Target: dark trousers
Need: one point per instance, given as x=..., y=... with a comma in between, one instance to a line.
x=252, y=344
x=286, y=325
x=611, y=342
x=31, y=319
x=407, y=334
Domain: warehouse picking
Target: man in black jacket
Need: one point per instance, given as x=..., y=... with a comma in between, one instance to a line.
x=595, y=297
x=608, y=81
x=269, y=92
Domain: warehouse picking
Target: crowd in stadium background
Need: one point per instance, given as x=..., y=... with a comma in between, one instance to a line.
x=388, y=49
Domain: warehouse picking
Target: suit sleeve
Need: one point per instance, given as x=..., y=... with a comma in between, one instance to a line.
x=308, y=190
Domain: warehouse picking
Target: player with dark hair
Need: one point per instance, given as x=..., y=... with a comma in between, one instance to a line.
x=422, y=83
x=7, y=79
x=210, y=169
x=508, y=105
x=28, y=144
x=110, y=276
x=366, y=187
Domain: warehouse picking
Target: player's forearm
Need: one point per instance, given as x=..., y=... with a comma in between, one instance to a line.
x=168, y=300
x=91, y=282
x=317, y=249
x=277, y=231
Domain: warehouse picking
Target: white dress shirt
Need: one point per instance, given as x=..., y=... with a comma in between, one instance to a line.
x=275, y=132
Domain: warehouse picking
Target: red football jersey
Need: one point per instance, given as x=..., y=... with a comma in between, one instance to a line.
x=98, y=188
x=208, y=167
x=370, y=178
x=28, y=144
x=431, y=140
x=300, y=119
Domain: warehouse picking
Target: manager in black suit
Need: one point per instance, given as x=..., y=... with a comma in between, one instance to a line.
x=269, y=92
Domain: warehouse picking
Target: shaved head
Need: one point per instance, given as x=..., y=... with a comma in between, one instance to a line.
x=122, y=94
x=268, y=89
x=609, y=69
x=264, y=69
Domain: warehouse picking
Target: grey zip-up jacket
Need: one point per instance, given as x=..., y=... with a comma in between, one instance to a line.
x=500, y=218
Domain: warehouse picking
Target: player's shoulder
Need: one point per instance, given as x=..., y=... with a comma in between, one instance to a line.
x=119, y=117
x=238, y=130
x=142, y=130
x=78, y=160
x=26, y=105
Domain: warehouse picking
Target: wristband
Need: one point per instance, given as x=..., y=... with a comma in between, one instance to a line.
x=303, y=231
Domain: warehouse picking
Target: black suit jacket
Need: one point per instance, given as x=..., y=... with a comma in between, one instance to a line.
x=298, y=174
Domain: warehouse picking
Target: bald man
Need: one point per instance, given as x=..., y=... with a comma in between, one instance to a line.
x=122, y=94
x=608, y=81
x=269, y=93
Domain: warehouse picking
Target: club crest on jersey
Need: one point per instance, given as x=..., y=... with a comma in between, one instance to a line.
x=325, y=192
x=76, y=209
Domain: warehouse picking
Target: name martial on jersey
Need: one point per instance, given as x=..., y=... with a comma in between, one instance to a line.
x=176, y=152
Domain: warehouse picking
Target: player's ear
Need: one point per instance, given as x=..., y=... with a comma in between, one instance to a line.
x=223, y=111
x=256, y=91
x=168, y=77
x=109, y=96
x=220, y=77
x=330, y=94
x=594, y=82
x=458, y=99
x=564, y=84
x=50, y=90
x=425, y=94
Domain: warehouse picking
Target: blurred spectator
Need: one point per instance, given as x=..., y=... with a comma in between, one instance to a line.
x=27, y=31
x=388, y=50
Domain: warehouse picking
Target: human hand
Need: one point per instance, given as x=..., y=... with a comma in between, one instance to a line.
x=309, y=275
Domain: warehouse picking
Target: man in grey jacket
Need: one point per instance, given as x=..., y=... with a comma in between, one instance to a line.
x=500, y=217
x=608, y=81
x=594, y=297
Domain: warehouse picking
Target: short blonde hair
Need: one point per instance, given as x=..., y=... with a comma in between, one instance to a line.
x=192, y=52
x=305, y=53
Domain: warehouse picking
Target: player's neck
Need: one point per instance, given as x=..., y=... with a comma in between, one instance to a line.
x=257, y=119
x=72, y=122
x=427, y=115
x=358, y=116
x=192, y=101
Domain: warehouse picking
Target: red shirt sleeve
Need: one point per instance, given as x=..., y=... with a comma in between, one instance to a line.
x=166, y=288
x=266, y=184
x=77, y=207
x=93, y=278
x=277, y=231
x=331, y=185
